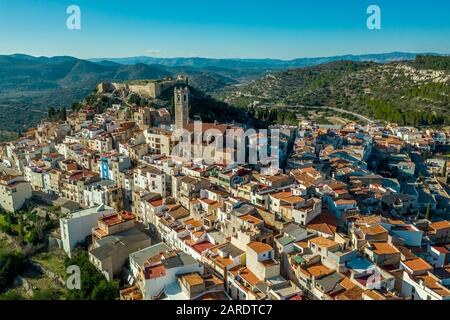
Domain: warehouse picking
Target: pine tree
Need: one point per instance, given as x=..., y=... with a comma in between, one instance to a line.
x=63, y=114
x=51, y=112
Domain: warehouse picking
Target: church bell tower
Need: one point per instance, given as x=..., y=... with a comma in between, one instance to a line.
x=181, y=102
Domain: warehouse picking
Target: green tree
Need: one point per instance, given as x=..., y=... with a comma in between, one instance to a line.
x=91, y=99
x=63, y=114
x=92, y=286
x=51, y=112
x=6, y=223
x=134, y=99
x=46, y=294
x=12, y=295
x=76, y=106
x=428, y=212
x=11, y=265
x=20, y=227
x=251, y=111
x=106, y=290
x=32, y=237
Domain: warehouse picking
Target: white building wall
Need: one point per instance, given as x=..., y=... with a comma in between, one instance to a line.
x=419, y=292
x=155, y=286
x=13, y=199
x=75, y=230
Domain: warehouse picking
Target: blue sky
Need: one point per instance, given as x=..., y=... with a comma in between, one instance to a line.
x=282, y=29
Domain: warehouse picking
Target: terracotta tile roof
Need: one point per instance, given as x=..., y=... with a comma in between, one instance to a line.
x=323, y=242
x=202, y=246
x=381, y=248
x=193, y=279
x=155, y=272
x=417, y=264
x=249, y=276
x=354, y=293
x=396, y=222
x=220, y=295
x=156, y=203
x=324, y=223
x=198, y=234
x=347, y=283
x=117, y=218
x=374, y=295
x=207, y=126
x=223, y=261
x=246, y=274
x=259, y=247
x=369, y=219
x=251, y=219
x=281, y=195
x=440, y=225
x=373, y=230
x=296, y=296
x=293, y=199
x=317, y=270
x=194, y=223
x=337, y=186
x=432, y=284
x=302, y=244
x=345, y=202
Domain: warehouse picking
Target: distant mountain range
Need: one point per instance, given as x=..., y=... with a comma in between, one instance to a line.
x=261, y=63
x=29, y=85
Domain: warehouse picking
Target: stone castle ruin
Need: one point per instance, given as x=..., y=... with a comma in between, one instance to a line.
x=146, y=88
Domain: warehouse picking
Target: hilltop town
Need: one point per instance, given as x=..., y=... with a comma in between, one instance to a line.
x=357, y=211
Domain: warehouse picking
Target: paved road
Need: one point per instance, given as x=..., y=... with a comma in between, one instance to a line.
x=359, y=116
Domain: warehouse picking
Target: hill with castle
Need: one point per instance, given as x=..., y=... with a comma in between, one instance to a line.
x=408, y=92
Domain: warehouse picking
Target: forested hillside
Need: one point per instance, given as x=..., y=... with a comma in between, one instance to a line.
x=409, y=93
